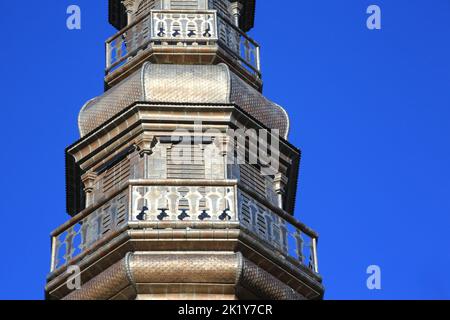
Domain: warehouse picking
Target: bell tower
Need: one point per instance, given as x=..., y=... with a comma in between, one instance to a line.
x=182, y=184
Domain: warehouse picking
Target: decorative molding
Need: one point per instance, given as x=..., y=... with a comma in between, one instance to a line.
x=145, y=144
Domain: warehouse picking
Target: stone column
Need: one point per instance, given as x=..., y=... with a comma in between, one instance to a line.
x=88, y=180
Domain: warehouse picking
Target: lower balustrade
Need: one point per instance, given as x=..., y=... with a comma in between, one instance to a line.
x=181, y=200
x=82, y=232
x=289, y=238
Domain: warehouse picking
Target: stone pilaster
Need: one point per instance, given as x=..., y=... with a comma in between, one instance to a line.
x=88, y=180
x=280, y=182
x=236, y=10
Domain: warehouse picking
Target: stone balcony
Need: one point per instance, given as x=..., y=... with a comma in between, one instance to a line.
x=182, y=216
x=182, y=37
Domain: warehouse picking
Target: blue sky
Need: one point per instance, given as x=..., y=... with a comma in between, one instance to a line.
x=370, y=110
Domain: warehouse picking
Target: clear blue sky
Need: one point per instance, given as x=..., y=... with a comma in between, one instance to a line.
x=370, y=110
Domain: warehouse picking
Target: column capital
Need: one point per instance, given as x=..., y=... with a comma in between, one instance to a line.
x=130, y=9
x=88, y=180
x=129, y=4
x=145, y=144
x=223, y=143
x=236, y=6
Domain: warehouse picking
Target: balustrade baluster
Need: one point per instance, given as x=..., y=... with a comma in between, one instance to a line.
x=311, y=258
x=118, y=47
x=56, y=260
x=269, y=223
x=69, y=245
x=284, y=238
x=247, y=51
x=108, y=55
x=299, y=249
x=172, y=198
x=254, y=216
x=139, y=35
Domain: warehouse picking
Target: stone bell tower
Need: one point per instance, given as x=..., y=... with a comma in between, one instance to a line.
x=183, y=183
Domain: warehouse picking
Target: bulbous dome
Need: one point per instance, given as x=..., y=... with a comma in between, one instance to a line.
x=212, y=84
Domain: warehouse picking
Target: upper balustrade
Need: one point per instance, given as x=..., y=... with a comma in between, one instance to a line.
x=169, y=36
x=184, y=205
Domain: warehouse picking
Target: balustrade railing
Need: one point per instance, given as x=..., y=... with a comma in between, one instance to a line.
x=239, y=45
x=80, y=234
x=289, y=238
x=183, y=201
x=181, y=28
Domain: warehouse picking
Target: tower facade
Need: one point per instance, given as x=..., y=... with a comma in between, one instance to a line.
x=183, y=183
